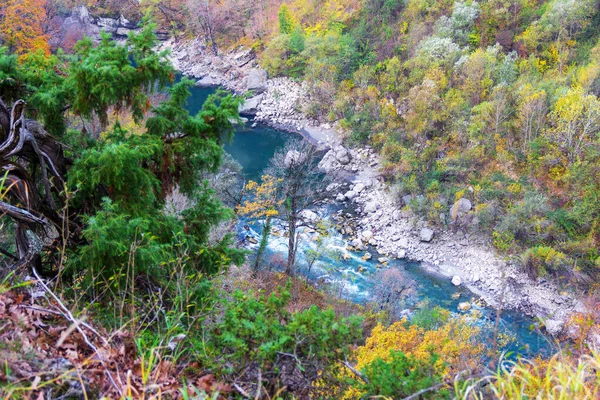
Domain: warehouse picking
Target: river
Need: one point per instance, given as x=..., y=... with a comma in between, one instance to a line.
x=252, y=147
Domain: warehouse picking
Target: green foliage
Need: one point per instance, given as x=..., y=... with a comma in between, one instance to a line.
x=260, y=331
x=401, y=376
x=542, y=260
x=119, y=76
x=286, y=20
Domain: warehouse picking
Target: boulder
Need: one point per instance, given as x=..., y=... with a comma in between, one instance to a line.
x=250, y=106
x=257, y=80
x=403, y=243
x=383, y=260
x=359, y=187
x=396, y=215
x=456, y=281
x=367, y=256
x=464, y=306
x=553, y=326
x=460, y=208
x=340, y=197
x=207, y=81
x=309, y=216
x=293, y=157
x=350, y=194
x=366, y=235
x=328, y=162
x=370, y=207
x=243, y=57
x=426, y=235
x=342, y=155
x=401, y=254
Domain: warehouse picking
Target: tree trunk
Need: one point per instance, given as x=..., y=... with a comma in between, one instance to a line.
x=263, y=243
x=290, y=270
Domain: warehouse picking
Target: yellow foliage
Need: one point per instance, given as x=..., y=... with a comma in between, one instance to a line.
x=454, y=342
x=263, y=201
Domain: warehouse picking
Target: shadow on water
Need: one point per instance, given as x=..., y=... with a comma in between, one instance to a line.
x=252, y=147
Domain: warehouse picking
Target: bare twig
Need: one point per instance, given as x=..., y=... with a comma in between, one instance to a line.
x=241, y=391
x=69, y=316
x=355, y=372
x=423, y=391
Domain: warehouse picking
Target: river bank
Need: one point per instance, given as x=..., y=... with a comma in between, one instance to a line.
x=382, y=220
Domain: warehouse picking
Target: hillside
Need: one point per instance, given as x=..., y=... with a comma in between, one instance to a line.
x=139, y=260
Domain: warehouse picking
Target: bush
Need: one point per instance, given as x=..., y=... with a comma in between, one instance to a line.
x=542, y=260
x=297, y=349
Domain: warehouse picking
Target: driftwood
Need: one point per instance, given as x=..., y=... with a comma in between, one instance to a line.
x=32, y=170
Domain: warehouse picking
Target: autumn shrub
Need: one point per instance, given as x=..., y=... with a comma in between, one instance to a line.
x=543, y=260
x=450, y=345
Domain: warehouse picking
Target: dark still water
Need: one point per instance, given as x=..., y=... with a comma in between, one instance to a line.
x=345, y=270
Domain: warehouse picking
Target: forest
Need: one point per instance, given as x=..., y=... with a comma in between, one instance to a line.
x=122, y=275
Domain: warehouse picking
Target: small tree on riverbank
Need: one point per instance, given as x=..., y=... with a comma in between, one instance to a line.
x=263, y=203
x=300, y=186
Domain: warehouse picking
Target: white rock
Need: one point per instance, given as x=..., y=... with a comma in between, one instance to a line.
x=464, y=306
x=309, y=216
x=456, y=281
x=366, y=235
x=359, y=187
x=340, y=197
x=370, y=207
x=554, y=326
x=367, y=256
x=350, y=194
x=401, y=254
x=426, y=235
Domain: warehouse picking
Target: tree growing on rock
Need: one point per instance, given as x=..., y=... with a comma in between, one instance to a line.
x=300, y=186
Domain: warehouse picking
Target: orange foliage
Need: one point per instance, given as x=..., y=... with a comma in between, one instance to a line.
x=21, y=26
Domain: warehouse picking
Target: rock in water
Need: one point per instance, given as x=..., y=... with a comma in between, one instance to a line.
x=309, y=216
x=207, y=81
x=426, y=235
x=257, y=80
x=250, y=106
x=464, y=306
x=456, y=281
x=367, y=256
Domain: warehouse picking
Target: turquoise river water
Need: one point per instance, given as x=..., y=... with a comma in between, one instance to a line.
x=252, y=147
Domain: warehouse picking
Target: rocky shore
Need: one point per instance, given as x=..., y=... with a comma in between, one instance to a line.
x=382, y=220
x=468, y=259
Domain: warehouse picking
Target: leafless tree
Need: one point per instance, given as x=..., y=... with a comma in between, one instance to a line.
x=203, y=12
x=392, y=287
x=301, y=187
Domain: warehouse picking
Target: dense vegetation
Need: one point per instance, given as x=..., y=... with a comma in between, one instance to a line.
x=495, y=101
